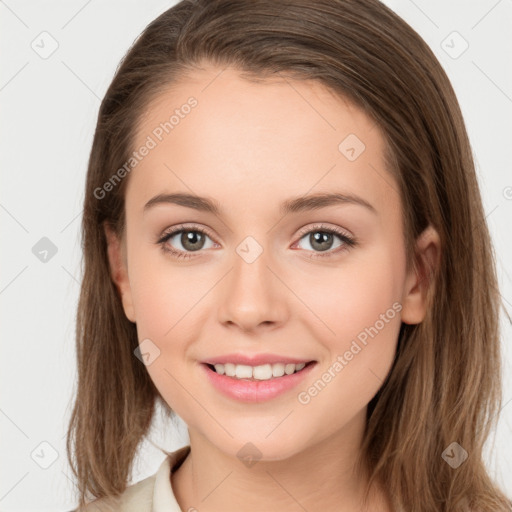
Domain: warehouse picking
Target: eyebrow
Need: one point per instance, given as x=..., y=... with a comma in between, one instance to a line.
x=293, y=205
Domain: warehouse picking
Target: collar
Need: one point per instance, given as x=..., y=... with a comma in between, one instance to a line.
x=163, y=495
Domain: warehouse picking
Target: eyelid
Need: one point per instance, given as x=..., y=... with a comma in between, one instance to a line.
x=323, y=226
x=184, y=227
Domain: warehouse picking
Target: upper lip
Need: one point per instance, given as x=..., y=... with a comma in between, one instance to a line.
x=254, y=359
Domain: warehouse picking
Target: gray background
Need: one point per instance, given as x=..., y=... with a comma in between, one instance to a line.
x=49, y=107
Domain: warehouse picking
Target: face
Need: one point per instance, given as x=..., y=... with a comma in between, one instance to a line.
x=327, y=284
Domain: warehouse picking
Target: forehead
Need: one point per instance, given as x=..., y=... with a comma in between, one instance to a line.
x=272, y=138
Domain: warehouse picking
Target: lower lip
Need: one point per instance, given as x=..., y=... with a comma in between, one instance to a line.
x=254, y=390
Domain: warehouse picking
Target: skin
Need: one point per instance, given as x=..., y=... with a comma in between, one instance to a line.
x=251, y=146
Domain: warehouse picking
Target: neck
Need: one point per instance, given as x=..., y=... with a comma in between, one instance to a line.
x=324, y=476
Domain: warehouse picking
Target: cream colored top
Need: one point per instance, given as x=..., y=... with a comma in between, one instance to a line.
x=153, y=494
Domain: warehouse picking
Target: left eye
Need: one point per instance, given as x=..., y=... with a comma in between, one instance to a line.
x=321, y=240
x=321, y=237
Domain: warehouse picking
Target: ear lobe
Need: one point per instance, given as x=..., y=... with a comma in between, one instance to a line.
x=420, y=279
x=119, y=270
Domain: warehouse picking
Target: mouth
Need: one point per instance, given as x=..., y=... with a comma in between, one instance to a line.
x=256, y=384
x=263, y=372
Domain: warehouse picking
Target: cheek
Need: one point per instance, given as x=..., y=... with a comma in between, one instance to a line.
x=166, y=300
x=355, y=295
x=163, y=293
x=359, y=308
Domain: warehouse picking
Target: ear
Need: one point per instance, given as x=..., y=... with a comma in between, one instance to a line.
x=119, y=270
x=419, y=279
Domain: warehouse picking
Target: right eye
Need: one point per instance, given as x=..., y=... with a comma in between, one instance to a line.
x=191, y=240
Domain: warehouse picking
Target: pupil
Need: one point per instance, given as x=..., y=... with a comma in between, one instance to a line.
x=321, y=237
x=190, y=238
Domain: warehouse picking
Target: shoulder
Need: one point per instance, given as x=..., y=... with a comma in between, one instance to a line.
x=149, y=495
x=136, y=498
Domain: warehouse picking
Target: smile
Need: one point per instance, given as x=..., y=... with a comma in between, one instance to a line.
x=261, y=372
x=258, y=383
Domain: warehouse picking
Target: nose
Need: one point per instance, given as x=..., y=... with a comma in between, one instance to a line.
x=253, y=295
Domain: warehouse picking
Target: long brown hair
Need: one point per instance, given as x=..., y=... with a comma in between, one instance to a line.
x=445, y=383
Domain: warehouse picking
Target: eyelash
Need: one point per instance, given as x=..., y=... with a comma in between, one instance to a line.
x=348, y=241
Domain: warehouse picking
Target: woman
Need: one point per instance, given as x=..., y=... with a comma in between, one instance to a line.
x=260, y=135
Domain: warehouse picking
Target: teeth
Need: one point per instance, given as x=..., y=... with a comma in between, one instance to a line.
x=243, y=372
x=262, y=372
x=289, y=369
x=219, y=368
